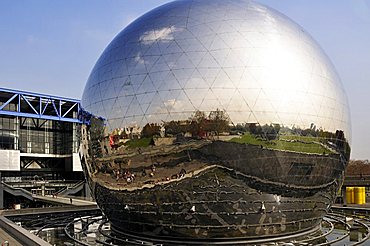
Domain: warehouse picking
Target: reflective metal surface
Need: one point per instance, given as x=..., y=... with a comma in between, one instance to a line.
x=214, y=119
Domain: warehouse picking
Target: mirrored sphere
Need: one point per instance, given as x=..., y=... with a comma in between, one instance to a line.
x=214, y=120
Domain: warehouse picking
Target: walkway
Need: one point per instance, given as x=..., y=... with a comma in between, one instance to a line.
x=64, y=200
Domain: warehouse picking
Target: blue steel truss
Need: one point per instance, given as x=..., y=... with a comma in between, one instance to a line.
x=35, y=105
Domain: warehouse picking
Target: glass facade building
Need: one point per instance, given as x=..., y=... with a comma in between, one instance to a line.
x=39, y=138
x=214, y=120
x=23, y=127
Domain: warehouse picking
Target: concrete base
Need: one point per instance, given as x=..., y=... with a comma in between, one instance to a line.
x=23, y=236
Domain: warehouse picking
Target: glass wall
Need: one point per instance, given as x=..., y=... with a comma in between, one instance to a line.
x=8, y=133
x=45, y=136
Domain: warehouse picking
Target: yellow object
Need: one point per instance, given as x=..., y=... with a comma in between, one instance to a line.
x=363, y=195
x=359, y=195
x=350, y=195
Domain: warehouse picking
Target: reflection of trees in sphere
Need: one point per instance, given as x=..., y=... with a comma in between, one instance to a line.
x=207, y=112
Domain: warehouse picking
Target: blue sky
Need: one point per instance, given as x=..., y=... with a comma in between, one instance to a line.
x=51, y=46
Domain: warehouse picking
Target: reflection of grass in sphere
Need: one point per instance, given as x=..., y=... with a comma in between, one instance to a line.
x=137, y=143
x=299, y=143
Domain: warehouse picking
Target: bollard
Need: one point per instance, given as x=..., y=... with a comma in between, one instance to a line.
x=350, y=195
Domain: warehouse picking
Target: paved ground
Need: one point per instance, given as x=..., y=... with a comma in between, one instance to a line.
x=65, y=200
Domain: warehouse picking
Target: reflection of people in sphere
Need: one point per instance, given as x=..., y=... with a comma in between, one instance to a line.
x=182, y=173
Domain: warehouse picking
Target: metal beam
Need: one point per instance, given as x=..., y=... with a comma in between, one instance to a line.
x=41, y=113
x=69, y=109
x=45, y=117
x=38, y=95
x=7, y=102
x=55, y=108
x=46, y=105
x=25, y=99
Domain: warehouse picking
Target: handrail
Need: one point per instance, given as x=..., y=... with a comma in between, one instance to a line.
x=69, y=189
x=18, y=191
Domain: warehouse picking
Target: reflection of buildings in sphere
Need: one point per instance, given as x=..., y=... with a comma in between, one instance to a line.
x=220, y=106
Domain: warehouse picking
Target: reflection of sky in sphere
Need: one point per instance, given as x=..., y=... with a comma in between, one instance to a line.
x=236, y=56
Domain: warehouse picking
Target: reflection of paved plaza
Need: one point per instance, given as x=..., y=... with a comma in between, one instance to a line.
x=160, y=176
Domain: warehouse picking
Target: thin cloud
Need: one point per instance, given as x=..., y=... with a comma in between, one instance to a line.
x=164, y=34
